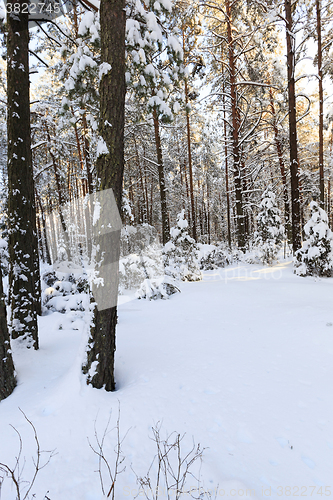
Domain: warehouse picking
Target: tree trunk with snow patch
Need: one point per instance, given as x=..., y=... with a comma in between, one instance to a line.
x=102, y=343
x=7, y=373
x=24, y=278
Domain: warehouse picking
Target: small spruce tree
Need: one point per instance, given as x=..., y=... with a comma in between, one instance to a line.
x=270, y=233
x=181, y=253
x=315, y=258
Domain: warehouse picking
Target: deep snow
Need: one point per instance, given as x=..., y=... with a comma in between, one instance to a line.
x=241, y=361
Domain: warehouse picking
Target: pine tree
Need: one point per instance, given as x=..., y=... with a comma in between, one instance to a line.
x=233, y=27
x=315, y=258
x=270, y=233
x=181, y=253
x=156, y=70
x=293, y=147
x=110, y=166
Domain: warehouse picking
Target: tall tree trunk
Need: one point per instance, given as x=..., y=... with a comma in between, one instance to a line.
x=278, y=145
x=161, y=178
x=44, y=233
x=329, y=186
x=226, y=167
x=60, y=196
x=110, y=168
x=295, y=198
x=189, y=151
x=144, y=204
x=151, y=198
x=78, y=142
x=39, y=234
x=7, y=372
x=87, y=154
x=23, y=245
x=321, y=107
x=329, y=201
x=240, y=226
x=190, y=169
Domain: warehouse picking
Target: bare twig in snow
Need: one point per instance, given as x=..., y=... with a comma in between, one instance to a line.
x=15, y=473
x=103, y=462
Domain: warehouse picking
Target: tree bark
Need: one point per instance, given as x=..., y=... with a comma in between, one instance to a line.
x=110, y=167
x=190, y=169
x=329, y=202
x=60, y=197
x=189, y=150
x=321, y=107
x=44, y=234
x=24, y=278
x=240, y=226
x=87, y=154
x=281, y=163
x=226, y=168
x=295, y=197
x=7, y=372
x=161, y=178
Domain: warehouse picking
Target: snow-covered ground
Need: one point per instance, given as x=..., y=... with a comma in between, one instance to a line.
x=241, y=362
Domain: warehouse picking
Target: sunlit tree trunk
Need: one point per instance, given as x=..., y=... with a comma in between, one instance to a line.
x=295, y=197
x=240, y=226
x=321, y=106
x=190, y=169
x=226, y=167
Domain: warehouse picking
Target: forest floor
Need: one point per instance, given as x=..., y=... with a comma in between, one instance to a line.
x=241, y=362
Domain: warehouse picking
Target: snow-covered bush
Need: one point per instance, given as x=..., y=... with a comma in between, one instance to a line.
x=141, y=256
x=181, y=253
x=270, y=233
x=315, y=258
x=159, y=288
x=136, y=267
x=141, y=265
x=63, y=293
x=215, y=257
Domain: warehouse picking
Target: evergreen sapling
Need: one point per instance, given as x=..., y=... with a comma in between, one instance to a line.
x=315, y=258
x=181, y=253
x=270, y=232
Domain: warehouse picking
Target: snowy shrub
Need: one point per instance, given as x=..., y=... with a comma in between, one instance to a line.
x=49, y=278
x=141, y=265
x=181, y=253
x=65, y=304
x=215, y=257
x=160, y=288
x=315, y=258
x=63, y=293
x=141, y=256
x=270, y=233
x=131, y=272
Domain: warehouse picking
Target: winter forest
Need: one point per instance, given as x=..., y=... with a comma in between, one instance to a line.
x=166, y=249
